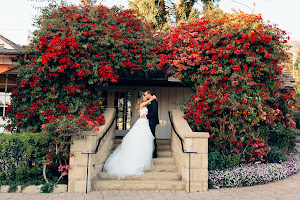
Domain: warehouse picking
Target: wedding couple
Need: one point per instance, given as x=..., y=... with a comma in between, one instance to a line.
x=134, y=155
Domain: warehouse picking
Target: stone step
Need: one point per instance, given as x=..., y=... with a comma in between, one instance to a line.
x=163, y=168
x=163, y=160
x=164, y=147
x=148, y=176
x=164, y=153
x=159, y=142
x=136, y=185
x=159, y=147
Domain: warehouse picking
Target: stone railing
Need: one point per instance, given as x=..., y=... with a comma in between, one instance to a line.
x=77, y=175
x=193, y=142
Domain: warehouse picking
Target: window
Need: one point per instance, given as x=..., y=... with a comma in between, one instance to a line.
x=103, y=98
x=122, y=103
x=7, y=82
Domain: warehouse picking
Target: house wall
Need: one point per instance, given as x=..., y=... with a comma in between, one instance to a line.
x=7, y=80
x=167, y=97
x=5, y=59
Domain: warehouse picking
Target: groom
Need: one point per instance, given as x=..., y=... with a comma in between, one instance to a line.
x=152, y=117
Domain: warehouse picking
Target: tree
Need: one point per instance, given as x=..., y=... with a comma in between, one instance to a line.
x=163, y=13
x=153, y=12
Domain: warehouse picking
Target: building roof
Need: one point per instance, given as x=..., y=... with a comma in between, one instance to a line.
x=10, y=52
x=11, y=43
x=16, y=48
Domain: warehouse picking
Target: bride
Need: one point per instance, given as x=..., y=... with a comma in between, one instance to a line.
x=134, y=155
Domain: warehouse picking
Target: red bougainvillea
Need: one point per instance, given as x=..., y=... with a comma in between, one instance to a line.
x=74, y=52
x=232, y=63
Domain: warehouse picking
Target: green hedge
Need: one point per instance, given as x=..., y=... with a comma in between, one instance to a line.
x=21, y=159
x=296, y=118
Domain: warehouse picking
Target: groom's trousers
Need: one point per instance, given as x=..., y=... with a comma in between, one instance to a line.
x=152, y=127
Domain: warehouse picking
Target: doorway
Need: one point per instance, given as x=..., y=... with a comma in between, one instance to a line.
x=124, y=98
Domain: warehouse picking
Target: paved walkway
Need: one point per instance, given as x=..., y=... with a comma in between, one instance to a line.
x=287, y=189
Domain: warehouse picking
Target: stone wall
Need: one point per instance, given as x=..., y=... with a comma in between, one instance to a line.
x=193, y=142
x=77, y=176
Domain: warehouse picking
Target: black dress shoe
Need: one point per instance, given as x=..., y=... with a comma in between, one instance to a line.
x=154, y=156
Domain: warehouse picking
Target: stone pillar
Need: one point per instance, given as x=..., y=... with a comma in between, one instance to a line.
x=77, y=175
x=193, y=142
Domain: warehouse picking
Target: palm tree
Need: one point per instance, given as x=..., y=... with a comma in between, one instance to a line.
x=160, y=12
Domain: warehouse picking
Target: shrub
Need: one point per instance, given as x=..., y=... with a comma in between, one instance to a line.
x=296, y=118
x=231, y=61
x=60, y=131
x=283, y=137
x=216, y=160
x=276, y=155
x=22, y=157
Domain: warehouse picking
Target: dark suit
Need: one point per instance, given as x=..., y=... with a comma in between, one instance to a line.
x=153, y=121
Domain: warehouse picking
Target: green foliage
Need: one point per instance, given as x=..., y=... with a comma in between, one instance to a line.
x=216, y=160
x=61, y=131
x=276, y=155
x=284, y=138
x=12, y=188
x=47, y=188
x=296, y=118
x=21, y=159
x=236, y=159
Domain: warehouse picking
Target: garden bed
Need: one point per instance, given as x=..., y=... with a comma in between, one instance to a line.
x=253, y=174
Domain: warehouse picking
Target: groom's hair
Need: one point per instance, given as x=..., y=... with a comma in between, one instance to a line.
x=149, y=92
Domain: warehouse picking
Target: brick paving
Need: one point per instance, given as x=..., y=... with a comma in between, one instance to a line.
x=287, y=189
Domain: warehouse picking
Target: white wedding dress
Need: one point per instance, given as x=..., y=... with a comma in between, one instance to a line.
x=134, y=155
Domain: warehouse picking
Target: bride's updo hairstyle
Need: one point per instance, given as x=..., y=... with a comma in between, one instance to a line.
x=138, y=104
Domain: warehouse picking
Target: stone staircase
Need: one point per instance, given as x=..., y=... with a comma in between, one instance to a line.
x=163, y=175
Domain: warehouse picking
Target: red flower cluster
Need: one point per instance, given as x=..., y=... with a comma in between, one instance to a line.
x=76, y=51
x=232, y=62
x=260, y=149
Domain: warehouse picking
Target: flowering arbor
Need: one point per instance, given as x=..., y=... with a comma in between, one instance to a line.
x=231, y=61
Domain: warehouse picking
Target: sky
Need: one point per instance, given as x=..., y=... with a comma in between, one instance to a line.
x=19, y=14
